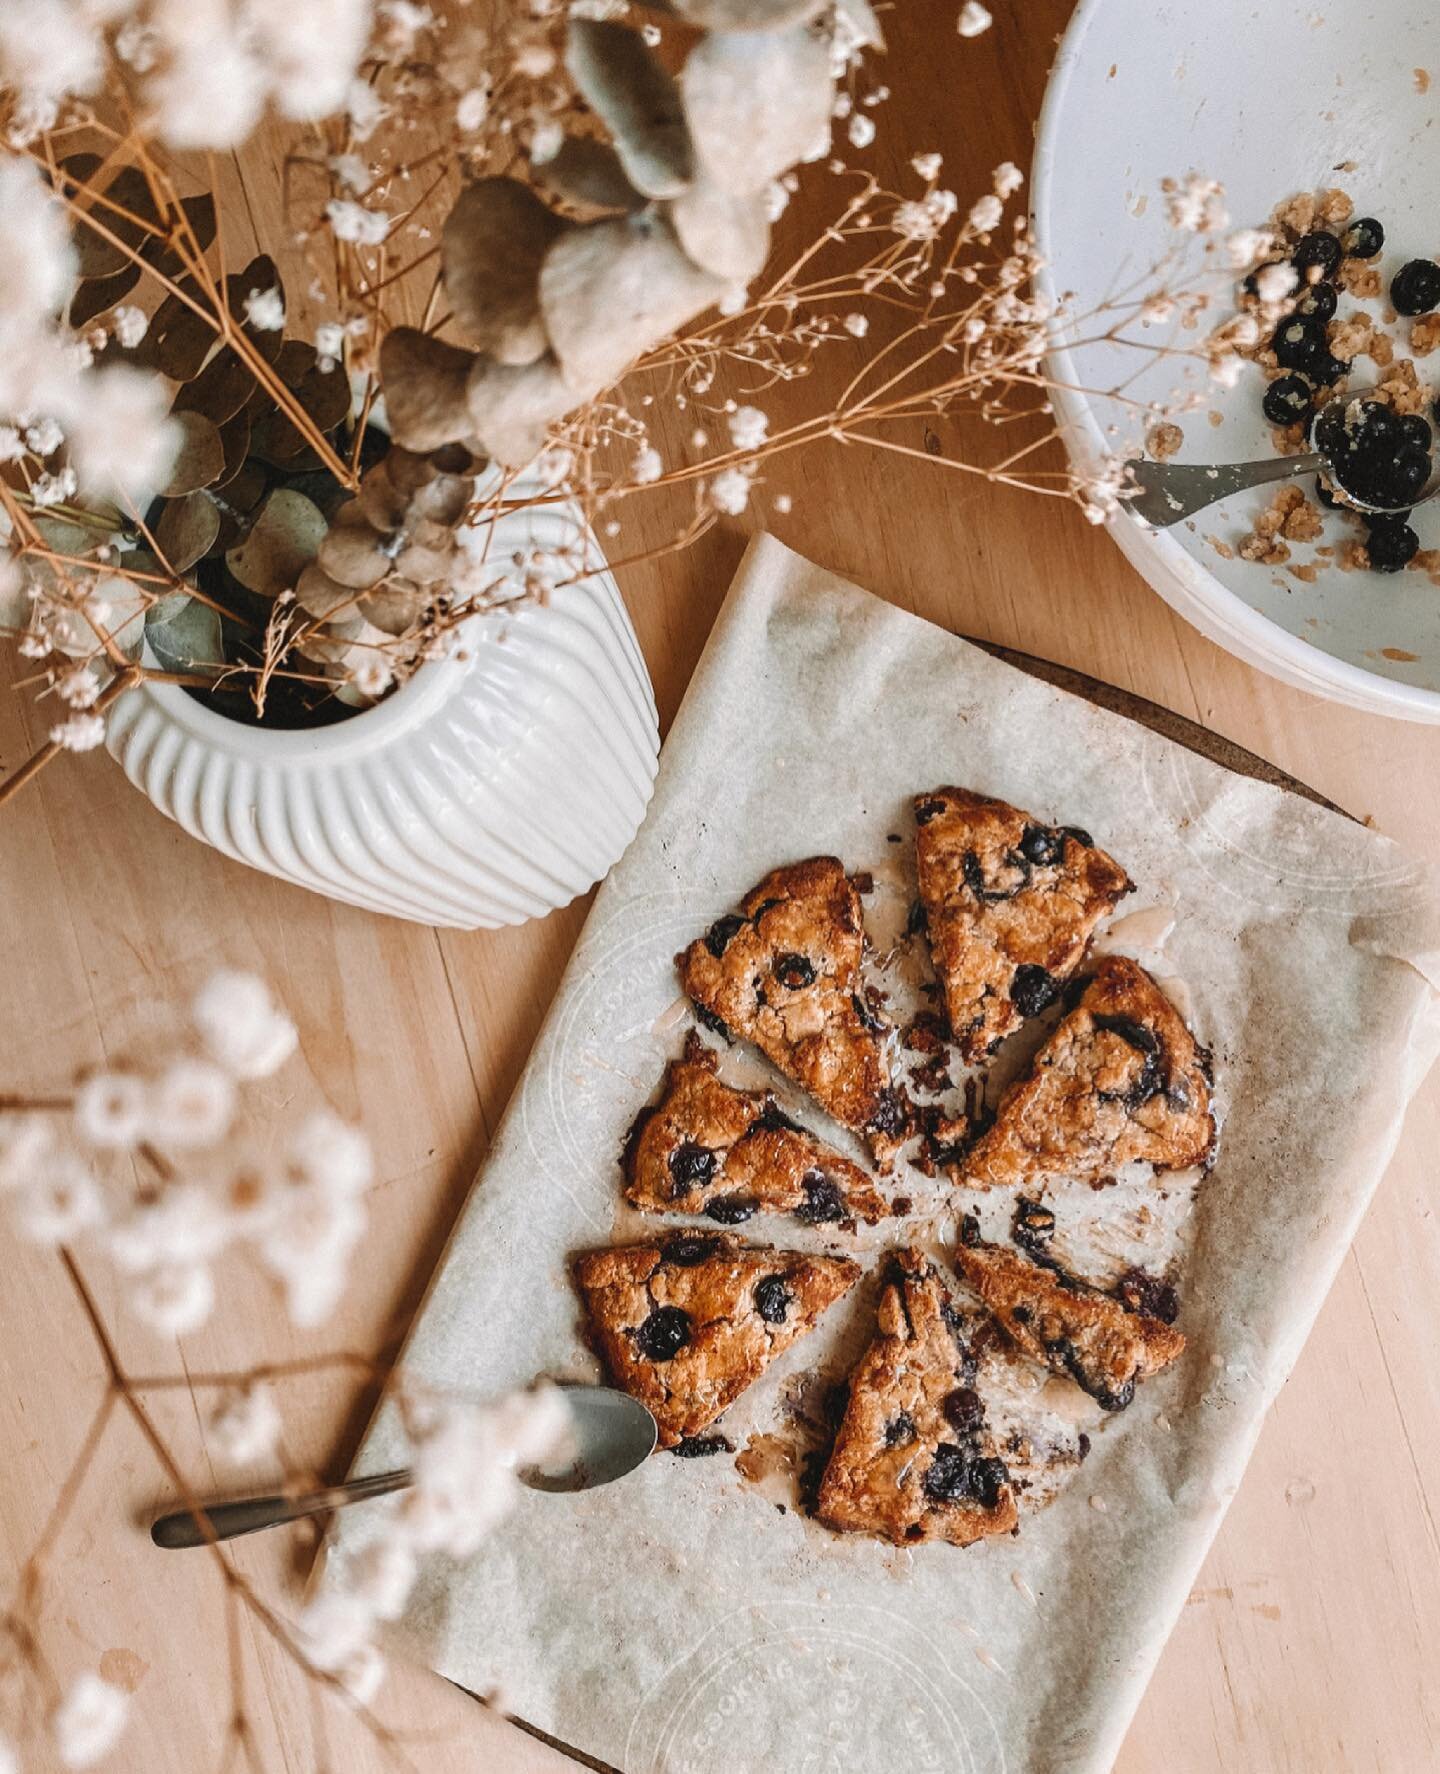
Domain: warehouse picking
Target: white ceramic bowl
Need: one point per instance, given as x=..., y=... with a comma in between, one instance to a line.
x=1269, y=98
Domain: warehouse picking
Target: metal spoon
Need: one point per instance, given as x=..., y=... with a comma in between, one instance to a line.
x=613, y=1434
x=1170, y=491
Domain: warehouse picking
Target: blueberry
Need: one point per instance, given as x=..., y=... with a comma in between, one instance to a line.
x=716, y=1024
x=717, y=937
x=1316, y=256
x=956, y=1474
x=1299, y=342
x=1032, y=989
x=891, y=1115
x=1288, y=400
x=1328, y=368
x=900, y=1431
x=1415, y=288
x=793, y=971
x=697, y=1447
x=1040, y=846
x=925, y=811
x=822, y=1203
x=730, y=1210
x=1415, y=431
x=691, y=1166
x=1391, y=546
x=664, y=1334
x=1033, y=1225
x=1317, y=302
x=963, y=1409
x=772, y=1298
x=687, y=1250
x=1362, y=239
x=1407, y=473
x=1080, y=835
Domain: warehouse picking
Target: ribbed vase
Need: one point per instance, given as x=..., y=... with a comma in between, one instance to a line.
x=486, y=790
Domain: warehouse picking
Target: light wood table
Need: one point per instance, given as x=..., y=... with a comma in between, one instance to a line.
x=1308, y=1642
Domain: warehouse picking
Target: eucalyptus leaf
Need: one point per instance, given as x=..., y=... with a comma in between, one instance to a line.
x=282, y=542
x=756, y=102
x=493, y=243
x=200, y=457
x=187, y=530
x=184, y=634
x=636, y=98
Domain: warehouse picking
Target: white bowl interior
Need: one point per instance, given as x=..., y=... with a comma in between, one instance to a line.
x=1270, y=100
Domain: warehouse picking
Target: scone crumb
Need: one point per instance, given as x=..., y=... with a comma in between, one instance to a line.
x=1359, y=279
x=1353, y=558
x=1221, y=547
x=1306, y=571
x=1163, y=441
x=1303, y=523
x=1296, y=215
x=1425, y=334
x=1334, y=208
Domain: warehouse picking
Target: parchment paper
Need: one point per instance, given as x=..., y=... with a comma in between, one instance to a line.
x=680, y=1621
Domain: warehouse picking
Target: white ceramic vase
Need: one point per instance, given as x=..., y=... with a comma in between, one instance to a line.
x=485, y=791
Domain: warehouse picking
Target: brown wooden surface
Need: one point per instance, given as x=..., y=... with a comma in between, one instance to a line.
x=1307, y=1642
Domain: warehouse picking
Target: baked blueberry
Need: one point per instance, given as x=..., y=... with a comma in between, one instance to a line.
x=730, y=1210
x=1288, y=400
x=1362, y=239
x=664, y=1334
x=1415, y=288
x=900, y=1431
x=823, y=1203
x=1316, y=256
x=687, y=1250
x=1033, y=1225
x=1391, y=546
x=794, y=971
x=963, y=1409
x=1032, y=988
x=1299, y=342
x=1041, y=846
x=772, y=1298
x=698, y=1447
x=1317, y=302
x=691, y=1165
x=717, y=937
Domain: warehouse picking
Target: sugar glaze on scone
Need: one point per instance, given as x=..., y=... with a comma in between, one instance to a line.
x=1120, y=1079
x=1097, y=1340
x=685, y=1324
x=1010, y=905
x=707, y=1148
x=914, y=1458
x=783, y=972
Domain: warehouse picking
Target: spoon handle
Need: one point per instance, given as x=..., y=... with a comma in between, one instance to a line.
x=226, y=1521
x=1170, y=491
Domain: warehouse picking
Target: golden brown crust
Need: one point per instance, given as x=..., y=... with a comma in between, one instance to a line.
x=1120, y=1079
x=1065, y=1324
x=914, y=1459
x=706, y=1148
x=1010, y=905
x=687, y=1323
x=784, y=973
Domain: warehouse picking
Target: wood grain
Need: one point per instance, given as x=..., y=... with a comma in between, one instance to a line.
x=1305, y=1646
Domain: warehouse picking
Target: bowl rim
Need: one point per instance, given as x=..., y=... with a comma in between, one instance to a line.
x=1174, y=573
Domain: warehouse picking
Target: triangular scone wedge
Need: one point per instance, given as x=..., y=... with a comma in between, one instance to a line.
x=708, y=1148
x=784, y=973
x=1065, y=1323
x=687, y=1323
x=1010, y=905
x=1121, y=1078
x=914, y=1459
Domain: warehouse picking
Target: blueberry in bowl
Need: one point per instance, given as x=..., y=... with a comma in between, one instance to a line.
x=1415, y=288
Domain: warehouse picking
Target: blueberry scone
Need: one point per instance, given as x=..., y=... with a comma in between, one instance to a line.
x=706, y=1148
x=1121, y=1078
x=1101, y=1342
x=784, y=973
x=687, y=1323
x=914, y=1458
x=1010, y=905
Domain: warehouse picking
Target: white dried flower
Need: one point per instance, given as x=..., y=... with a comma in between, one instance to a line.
x=730, y=491
x=25, y=1145
x=985, y=214
x=927, y=165
x=381, y=1576
x=240, y=1026
x=44, y=437
x=733, y=300
x=352, y=222
x=646, y=467
x=184, y=1223
x=265, y=309
x=47, y=54
x=365, y=109
x=777, y=199
x=209, y=90
x=110, y=1109
x=350, y=171
x=244, y=1426
x=362, y=1674
x=554, y=465
x=782, y=503
x=333, y=1627
x=924, y=219
x=861, y=131
x=471, y=109
x=373, y=676
x=129, y=325
x=89, y=1721
x=1194, y=204
x=174, y=1300
x=1008, y=179
x=329, y=344
x=1274, y=282
x=1247, y=246
x=79, y=732
x=191, y=1104
x=60, y=1200
x=12, y=445
x=329, y=1155
x=748, y=428
x=53, y=489
x=121, y=438
x=78, y=688
x=974, y=20
x=856, y=325
x=1225, y=371
x=546, y=140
